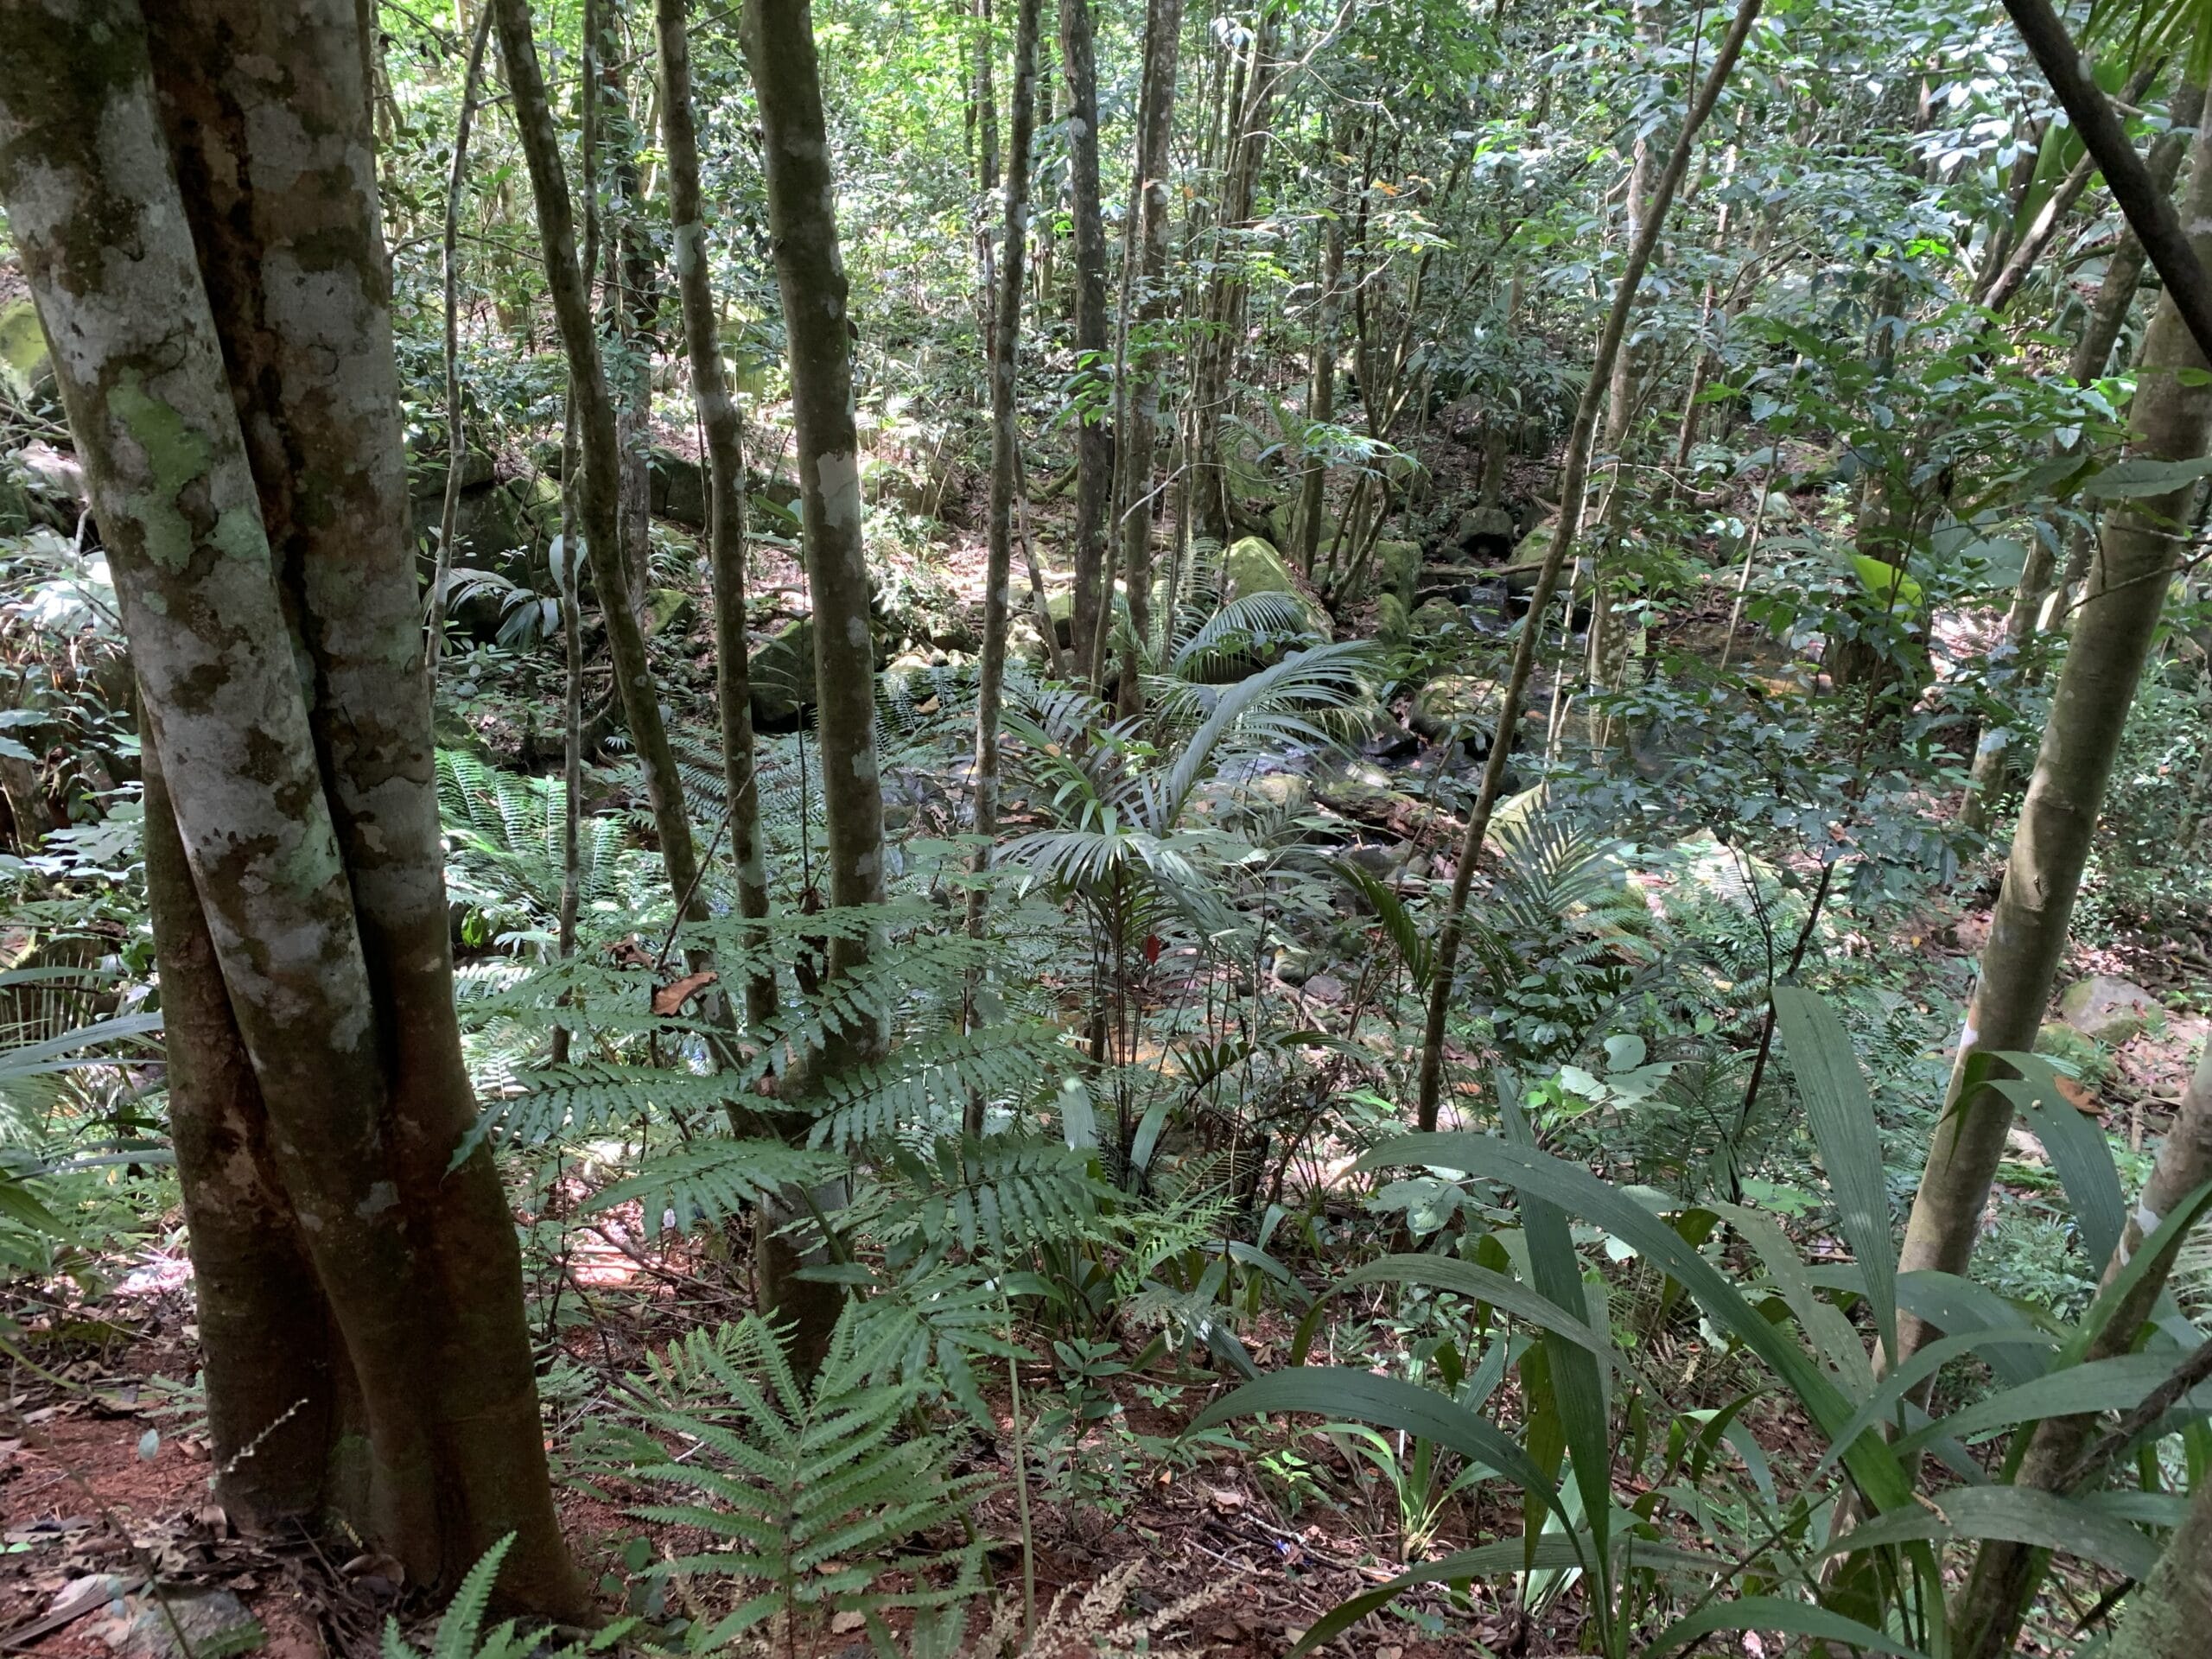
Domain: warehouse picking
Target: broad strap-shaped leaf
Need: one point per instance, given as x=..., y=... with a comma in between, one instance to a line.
x=1775, y=1613
x=1338, y=1391
x=2020, y=1515
x=1841, y=1114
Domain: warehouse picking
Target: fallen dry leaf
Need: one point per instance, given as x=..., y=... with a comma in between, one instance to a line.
x=670, y=998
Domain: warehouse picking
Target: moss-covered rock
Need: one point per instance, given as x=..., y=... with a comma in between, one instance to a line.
x=668, y=610
x=26, y=368
x=1253, y=566
x=678, y=486
x=1397, y=566
x=1436, y=618
x=1459, y=705
x=782, y=674
x=1392, y=626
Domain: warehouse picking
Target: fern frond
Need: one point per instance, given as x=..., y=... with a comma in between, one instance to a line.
x=714, y=1177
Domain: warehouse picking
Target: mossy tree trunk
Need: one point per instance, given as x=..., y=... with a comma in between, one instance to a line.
x=231, y=390
x=725, y=544
x=569, y=284
x=810, y=273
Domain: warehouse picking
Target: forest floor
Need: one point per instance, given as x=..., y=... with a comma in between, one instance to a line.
x=105, y=1477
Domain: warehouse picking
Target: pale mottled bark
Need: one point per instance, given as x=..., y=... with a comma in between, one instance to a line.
x=2168, y=1616
x=2169, y=421
x=267, y=1345
x=718, y=415
x=1321, y=400
x=810, y=272
x=236, y=405
x=2092, y=353
x=1094, y=481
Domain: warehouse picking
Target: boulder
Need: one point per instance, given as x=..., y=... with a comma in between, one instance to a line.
x=1483, y=533
x=26, y=368
x=1253, y=566
x=1397, y=566
x=680, y=487
x=1458, y=705
x=2109, y=1009
x=1435, y=617
x=668, y=610
x=1392, y=626
x=782, y=674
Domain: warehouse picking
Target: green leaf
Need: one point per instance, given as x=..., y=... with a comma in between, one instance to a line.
x=1393, y=1402
x=2020, y=1514
x=2144, y=475
x=2078, y=1149
x=1775, y=1613
x=2115, y=1384
x=1553, y=1551
x=1887, y=583
x=1841, y=1114
x=1578, y=1385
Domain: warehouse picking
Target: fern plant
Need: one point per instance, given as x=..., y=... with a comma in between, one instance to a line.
x=804, y=1487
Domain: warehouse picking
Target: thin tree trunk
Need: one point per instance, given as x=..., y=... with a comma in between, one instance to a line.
x=1224, y=307
x=986, y=177
x=306, y=813
x=567, y=583
x=456, y=416
x=802, y=223
x=1701, y=369
x=1574, y=481
x=602, y=457
x=1006, y=458
x=1133, y=524
x=1094, y=484
x=2168, y=1614
x=1986, y=1618
x=1321, y=401
x=2088, y=712
x=725, y=444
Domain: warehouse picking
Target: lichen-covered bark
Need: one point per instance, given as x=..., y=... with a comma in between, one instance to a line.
x=266, y=1343
x=218, y=295
x=1094, y=480
x=718, y=415
x=1006, y=457
x=602, y=451
x=2169, y=421
x=818, y=328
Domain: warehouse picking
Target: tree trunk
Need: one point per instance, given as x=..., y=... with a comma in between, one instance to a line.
x=602, y=456
x=236, y=408
x=1990, y=1606
x=802, y=223
x=1006, y=437
x=1574, y=479
x=2170, y=1613
x=725, y=443
x=987, y=163
x=1094, y=481
x=1163, y=38
x=457, y=416
x=1223, y=311
x=1321, y=401
x=2088, y=712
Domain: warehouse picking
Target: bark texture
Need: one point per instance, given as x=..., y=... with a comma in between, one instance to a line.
x=725, y=442
x=2169, y=421
x=1133, y=446
x=601, y=448
x=810, y=272
x=1006, y=440
x=231, y=387
x=1094, y=469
